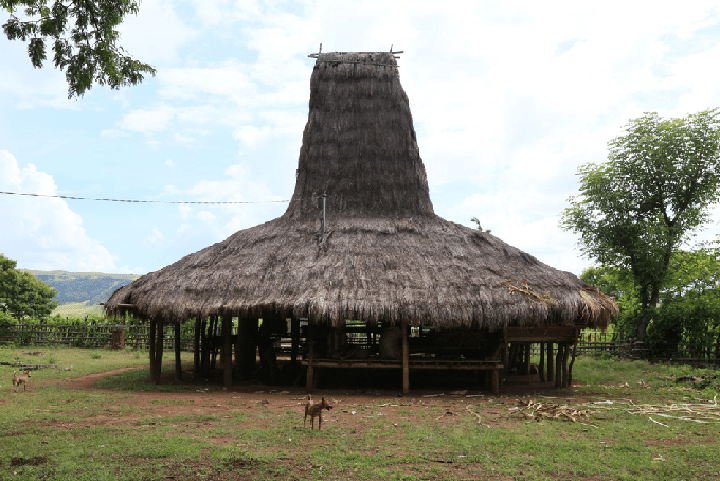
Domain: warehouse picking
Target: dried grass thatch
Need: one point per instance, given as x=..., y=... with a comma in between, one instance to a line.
x=384, y=254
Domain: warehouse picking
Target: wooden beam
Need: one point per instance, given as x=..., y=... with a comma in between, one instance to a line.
x=294, y=344
x=227, y=349
x=196, y=346
x=151, y=349
x=495, y=387
x=541, y=366
x=309, y=375
x=550, y=363
x=405, y=356
x=178, y=351
x=159, y=351
x=558, y=365
x=570, y=368
x=566, y=355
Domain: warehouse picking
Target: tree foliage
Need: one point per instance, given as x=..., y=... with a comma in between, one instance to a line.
x=689, y=307
x=21, y=294
x=84, y=40
x=653, y=193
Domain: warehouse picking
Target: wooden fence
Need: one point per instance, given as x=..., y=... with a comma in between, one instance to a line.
x=83, y=335
x=137, y=336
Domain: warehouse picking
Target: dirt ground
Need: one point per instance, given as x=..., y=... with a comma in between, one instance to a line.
x=204, y=397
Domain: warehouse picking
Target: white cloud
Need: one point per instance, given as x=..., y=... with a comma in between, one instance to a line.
x=170, y=163
x=156, y=237
x=148, y=121
x=43, y=233
x=156, y=33
x=184, y=139
x=113, y=134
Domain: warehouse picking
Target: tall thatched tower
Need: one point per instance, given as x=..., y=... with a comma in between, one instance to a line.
x=379, y=252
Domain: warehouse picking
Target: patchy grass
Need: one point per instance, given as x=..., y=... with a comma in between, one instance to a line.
x=625, y=420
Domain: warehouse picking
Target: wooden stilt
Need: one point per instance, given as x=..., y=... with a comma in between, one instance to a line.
x=178, y=351
x=405, y=357
x=566, y=355
x=227, y=350
x=505, y=352
x=558, y=365
x=541, y=366
x=574, y=350
x=294, y=344
x=158, y=351
x=151, y=349
x=526, y=359
x=309, y=375
x=205, y=348
x=237, y=368
x=196, y=346
x=495, y=381
x=550, y=363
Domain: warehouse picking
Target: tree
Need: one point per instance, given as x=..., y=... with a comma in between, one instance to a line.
x=22, y=294
x=654, y=192
x=83, y=36
x=479, y=227
x=690, y=302
x=617, y=282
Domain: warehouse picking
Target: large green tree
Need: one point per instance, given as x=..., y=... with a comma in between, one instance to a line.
x=22, y=294
x=635, y=210
x=84, y=40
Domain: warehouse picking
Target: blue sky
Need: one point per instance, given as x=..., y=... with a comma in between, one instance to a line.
x=508, y=99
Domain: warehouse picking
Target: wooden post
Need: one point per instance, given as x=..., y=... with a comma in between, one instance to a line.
x=566, y=355
x=526, y=359
x=550, y=364
x=309, y=375
x=558, y=365
x=570, y=368
x=178, y=351
x=505, y=353
x=541, y=366
x=196, y=346
x=405, y=356
x=227, y=349
x=204, y=348
x=495, y=388
x=238, y=367
x=151, y=349
x=159, y=340
x=294, y=344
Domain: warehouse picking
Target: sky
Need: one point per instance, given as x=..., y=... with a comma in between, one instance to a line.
x=508, y=100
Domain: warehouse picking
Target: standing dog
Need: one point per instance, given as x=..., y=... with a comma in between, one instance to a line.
x=20, y=378
x=315, y=410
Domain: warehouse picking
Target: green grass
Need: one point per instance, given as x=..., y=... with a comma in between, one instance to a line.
x=51, y=431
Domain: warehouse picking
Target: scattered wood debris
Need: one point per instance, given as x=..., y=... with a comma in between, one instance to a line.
x=537, y=411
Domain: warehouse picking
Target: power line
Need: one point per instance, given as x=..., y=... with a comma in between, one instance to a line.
x=150, y=201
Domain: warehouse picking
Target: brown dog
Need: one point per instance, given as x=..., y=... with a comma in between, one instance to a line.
x=315, y=410
x=20, y=378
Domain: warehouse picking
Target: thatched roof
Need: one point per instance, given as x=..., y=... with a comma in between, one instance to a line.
x=384, y=254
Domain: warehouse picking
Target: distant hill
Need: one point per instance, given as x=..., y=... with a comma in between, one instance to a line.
x=90, y=288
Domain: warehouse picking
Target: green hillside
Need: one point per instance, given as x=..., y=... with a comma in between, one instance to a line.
x=88, y=288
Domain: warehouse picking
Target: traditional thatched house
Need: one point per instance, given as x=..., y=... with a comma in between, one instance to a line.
x=360, y=241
